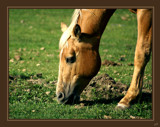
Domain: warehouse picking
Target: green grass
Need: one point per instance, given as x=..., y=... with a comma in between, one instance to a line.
x=33, y=29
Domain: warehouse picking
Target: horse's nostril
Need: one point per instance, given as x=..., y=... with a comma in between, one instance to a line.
x=60, y=96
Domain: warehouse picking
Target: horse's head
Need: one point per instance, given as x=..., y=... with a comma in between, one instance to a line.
x=79, y=63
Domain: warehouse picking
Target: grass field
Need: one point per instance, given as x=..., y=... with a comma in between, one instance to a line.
x=33, y=66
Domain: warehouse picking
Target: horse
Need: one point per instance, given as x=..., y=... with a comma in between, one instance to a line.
x=79, y=53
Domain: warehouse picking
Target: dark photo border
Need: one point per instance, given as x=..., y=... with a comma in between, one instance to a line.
x=5, y=5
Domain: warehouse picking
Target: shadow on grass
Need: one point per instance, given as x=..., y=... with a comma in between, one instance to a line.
x=146, y=97
x=101, y=101
x=23, y=76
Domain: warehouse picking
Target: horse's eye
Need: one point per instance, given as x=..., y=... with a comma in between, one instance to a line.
x=70, y=59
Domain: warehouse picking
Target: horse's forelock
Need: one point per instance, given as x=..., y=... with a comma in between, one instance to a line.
x=65, y=36
x=63, y=40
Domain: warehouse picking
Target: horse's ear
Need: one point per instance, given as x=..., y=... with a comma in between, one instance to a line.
x=77, y=31
x=63, y=27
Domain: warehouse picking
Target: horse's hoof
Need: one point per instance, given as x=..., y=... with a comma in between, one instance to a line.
x=121, y=107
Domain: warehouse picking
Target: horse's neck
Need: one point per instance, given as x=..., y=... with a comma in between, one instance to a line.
x=94, y=21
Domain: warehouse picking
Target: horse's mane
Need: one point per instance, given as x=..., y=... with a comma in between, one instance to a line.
x=67, y=33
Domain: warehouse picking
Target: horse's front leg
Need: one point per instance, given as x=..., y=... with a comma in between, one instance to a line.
x=142, y=55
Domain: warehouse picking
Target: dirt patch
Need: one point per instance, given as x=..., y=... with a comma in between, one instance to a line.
x=36, y=81
x=130, y=64
x=103, y=87
x=110, y=63
x=32, y=79
x=136, y=117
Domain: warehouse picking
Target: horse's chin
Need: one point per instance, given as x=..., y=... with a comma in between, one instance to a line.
x=72, y=99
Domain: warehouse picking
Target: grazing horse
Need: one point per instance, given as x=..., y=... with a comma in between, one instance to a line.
x=79, y=53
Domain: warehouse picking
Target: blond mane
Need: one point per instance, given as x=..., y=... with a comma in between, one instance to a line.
x=65, y=36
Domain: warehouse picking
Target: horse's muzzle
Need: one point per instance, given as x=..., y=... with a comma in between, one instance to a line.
x=71, y=99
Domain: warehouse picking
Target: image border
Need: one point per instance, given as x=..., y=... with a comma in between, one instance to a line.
x=5, y=5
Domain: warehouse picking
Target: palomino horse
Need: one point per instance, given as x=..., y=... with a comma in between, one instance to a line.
x=79, y=56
